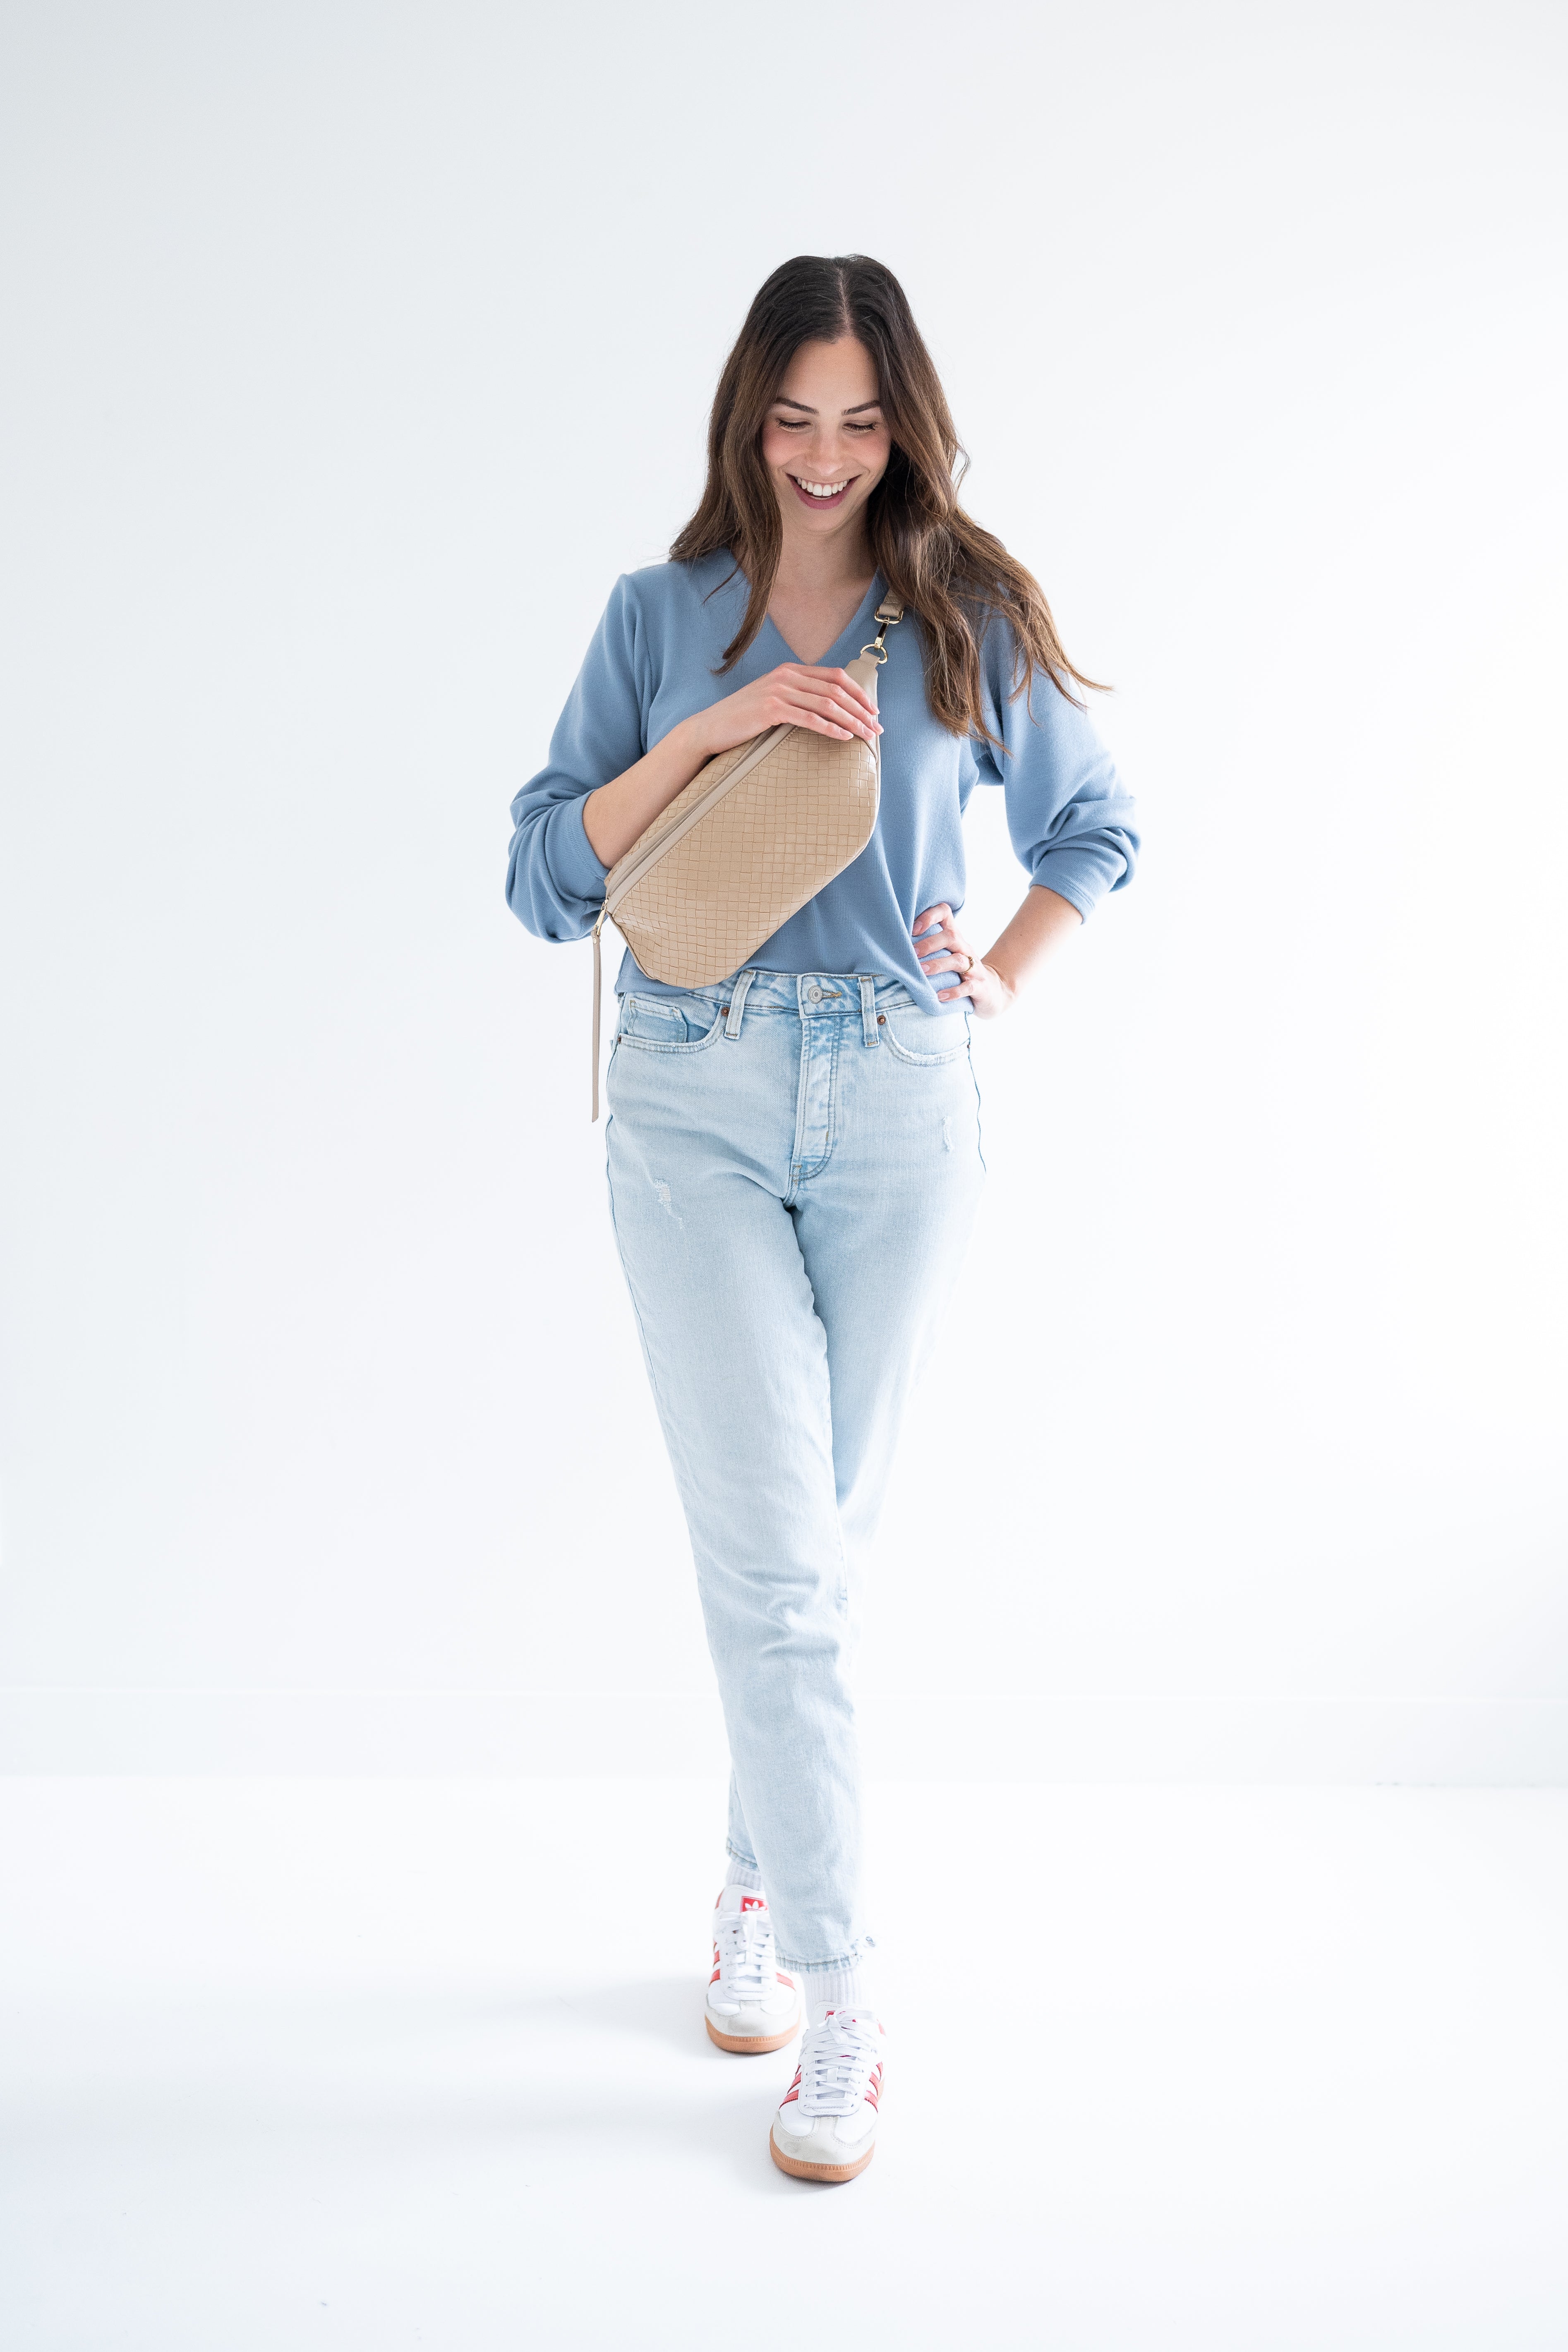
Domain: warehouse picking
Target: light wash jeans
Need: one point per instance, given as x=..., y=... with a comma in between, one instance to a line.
x=795, y=1166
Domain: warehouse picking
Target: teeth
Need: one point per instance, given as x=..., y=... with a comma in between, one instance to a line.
x=823, y=489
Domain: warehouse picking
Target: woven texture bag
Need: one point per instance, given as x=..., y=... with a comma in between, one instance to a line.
x=758, y=831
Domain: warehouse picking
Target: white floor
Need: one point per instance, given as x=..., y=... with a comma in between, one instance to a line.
x=386, y=2064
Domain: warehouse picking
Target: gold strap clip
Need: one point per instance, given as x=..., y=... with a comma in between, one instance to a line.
x=888, y=613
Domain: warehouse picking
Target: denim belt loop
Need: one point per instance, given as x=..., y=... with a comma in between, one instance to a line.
x=867, y=1009
x=738, y=1004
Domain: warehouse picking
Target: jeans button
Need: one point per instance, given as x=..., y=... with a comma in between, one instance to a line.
x=814, y=996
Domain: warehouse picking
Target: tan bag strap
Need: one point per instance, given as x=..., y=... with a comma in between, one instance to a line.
x=597, y=928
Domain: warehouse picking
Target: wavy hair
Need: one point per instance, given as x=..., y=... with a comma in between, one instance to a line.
x=957, y=577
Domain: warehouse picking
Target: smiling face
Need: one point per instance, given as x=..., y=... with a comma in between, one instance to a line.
x=826, y=443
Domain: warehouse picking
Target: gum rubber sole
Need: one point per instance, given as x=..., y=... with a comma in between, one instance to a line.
x=828, y=2172
x=744, y=2045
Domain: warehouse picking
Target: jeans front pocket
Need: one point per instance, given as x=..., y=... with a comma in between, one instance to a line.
x=668, y=1025
x=926, y=1038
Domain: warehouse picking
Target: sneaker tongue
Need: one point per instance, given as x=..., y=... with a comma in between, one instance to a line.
x=742, y=1898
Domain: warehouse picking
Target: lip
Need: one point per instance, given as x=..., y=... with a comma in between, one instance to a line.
x=823, y=506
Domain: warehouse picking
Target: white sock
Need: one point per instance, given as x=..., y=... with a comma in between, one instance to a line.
x=742, y=1873
x=825, y=1989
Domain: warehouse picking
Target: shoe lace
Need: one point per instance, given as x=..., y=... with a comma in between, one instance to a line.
x=746, y=1956
x=836, y=2060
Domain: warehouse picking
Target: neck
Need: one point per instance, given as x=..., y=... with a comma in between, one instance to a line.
x=814, y=566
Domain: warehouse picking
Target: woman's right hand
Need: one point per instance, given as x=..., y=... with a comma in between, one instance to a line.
x=828, y=702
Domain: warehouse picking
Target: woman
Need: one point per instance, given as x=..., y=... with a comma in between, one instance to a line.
x=794, y=1153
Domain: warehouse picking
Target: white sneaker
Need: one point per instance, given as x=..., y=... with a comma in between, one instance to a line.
x=753, y=2006
x=827, y=2127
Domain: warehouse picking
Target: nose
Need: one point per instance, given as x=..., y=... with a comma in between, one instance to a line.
x=828, y=456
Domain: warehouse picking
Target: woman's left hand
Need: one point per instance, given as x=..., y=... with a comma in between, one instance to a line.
x=943, y=948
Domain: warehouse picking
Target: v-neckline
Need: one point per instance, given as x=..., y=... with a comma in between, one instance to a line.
x=826, y=661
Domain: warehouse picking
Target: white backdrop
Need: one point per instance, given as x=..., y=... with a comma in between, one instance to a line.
x=353, y=353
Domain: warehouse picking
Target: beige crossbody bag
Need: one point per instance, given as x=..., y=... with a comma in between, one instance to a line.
x=759, y=829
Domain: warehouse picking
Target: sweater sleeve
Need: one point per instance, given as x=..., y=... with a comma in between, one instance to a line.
x=555, y=881
x=1071, y=820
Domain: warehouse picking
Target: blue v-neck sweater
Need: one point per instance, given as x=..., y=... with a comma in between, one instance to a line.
x=653, y=662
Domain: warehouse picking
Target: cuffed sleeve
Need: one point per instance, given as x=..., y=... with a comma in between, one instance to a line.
x=1071, y=822
x=555, y=881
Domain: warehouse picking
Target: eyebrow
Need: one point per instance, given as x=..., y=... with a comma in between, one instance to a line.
x=784, y=400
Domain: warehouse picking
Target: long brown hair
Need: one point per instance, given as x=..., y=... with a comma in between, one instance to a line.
x=954, y=575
